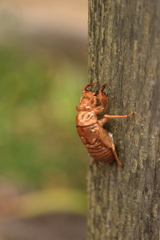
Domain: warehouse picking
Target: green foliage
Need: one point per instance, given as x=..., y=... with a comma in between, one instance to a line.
x=39, y=145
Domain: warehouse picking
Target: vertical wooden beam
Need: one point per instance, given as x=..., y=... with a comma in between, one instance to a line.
x=124, y=52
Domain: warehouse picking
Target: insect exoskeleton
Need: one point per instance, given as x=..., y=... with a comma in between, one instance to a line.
x=96, y=139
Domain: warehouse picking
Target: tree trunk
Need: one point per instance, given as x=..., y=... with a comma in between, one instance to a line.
x=124, y=52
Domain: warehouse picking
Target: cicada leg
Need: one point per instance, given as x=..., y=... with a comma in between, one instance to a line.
x=117, y=116
x=102, y=96
x=115, y=155
x=88, y=85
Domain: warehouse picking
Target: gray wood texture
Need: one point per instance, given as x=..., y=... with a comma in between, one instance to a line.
x=124, y=52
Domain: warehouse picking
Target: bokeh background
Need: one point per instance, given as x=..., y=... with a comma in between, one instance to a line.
x=43, y=67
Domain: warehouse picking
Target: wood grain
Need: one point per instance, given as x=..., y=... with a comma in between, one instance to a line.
x=124, y=52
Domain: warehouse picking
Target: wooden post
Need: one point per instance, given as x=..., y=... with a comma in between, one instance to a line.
x=124, y=52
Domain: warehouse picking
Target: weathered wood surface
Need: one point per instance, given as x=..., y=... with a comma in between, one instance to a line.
x=124, y=52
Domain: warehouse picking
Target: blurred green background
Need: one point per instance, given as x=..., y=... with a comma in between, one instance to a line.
x=39, y=144
x=42, y=73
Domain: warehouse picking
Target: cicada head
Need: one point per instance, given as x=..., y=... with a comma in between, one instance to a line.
x=87, y=104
